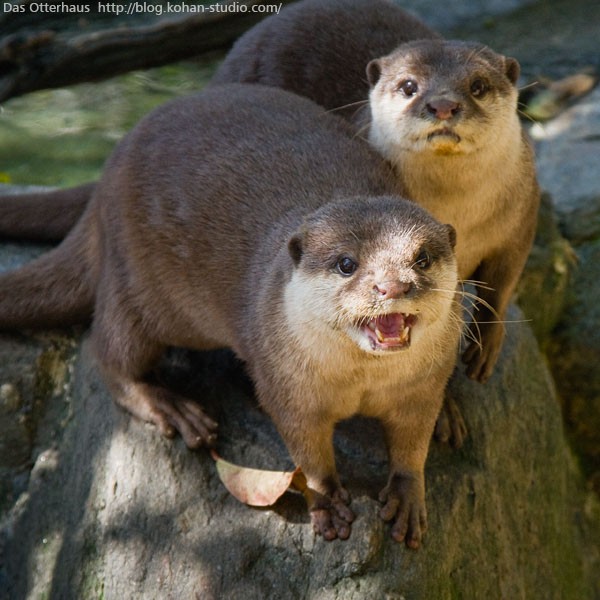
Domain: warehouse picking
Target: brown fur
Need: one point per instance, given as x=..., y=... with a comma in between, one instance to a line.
x=194, y=239
x=42, y=216
x=333, y=51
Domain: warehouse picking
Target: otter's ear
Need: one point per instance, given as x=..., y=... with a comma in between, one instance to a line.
x=512, y=69
x=451, y=235
x=374, y=71
x=295, y=247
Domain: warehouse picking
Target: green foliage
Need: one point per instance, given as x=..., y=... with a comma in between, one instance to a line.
x=62, y=137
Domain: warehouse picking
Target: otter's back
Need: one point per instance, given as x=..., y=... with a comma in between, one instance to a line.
x=321, y=49
x=209, y=183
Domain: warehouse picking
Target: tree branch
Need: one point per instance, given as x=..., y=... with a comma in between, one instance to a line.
x=54, y=49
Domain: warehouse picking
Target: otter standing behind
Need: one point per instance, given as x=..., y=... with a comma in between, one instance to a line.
x=248, y=218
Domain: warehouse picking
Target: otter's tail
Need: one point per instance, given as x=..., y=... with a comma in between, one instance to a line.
x=55, y=290
x=43, y=216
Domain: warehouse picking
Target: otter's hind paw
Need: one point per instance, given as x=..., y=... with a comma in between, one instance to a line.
x=171, y=413
x=450, y=427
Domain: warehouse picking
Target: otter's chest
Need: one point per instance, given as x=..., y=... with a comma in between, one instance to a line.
x=476, y=215
x=372, y=386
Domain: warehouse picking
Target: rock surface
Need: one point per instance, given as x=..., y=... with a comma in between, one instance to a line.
x=97, y=505
x=568, y=151
x=461, y=11
x=113, y=510
x=557, y=39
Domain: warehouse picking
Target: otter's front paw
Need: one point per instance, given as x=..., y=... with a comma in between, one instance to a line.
x=404, y=503
x=330, y=515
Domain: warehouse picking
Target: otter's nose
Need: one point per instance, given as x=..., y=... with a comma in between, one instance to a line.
x=392, y=290
x=442, y=108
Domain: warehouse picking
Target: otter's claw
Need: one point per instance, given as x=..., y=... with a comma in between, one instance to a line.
x=450, y=427
x=404, y=503
x=331, y=516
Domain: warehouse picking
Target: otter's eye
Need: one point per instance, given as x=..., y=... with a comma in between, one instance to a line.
x=408, y=87
x=479, y=88
x=346, y=266
x=423, y=260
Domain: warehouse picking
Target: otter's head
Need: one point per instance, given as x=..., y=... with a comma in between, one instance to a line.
x=445, y=97
x=379, y=272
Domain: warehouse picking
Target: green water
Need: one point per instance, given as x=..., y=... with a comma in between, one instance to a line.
x=62, y=137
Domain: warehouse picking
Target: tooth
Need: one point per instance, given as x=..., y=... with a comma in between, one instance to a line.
x=380, y=336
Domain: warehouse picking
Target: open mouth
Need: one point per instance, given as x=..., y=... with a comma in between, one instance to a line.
x=445, y=134
x=389, y=332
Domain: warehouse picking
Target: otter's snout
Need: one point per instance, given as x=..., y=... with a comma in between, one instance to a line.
x=443, y=108
x=392, y=290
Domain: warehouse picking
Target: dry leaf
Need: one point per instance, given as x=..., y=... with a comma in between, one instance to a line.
x=256, y=487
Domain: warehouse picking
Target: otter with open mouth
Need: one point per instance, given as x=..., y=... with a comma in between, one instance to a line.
x=443, y=112
x=248, y=218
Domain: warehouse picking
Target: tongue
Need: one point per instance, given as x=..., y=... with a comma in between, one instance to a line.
x=389, y=331
x=390, y=326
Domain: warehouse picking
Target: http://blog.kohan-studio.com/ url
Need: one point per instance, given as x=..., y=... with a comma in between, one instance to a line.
x=131, y=8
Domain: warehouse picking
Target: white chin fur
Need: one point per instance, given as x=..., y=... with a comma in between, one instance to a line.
x=418, y=140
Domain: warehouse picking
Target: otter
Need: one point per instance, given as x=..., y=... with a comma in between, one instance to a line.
x=339, y=296
x=443, y=113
